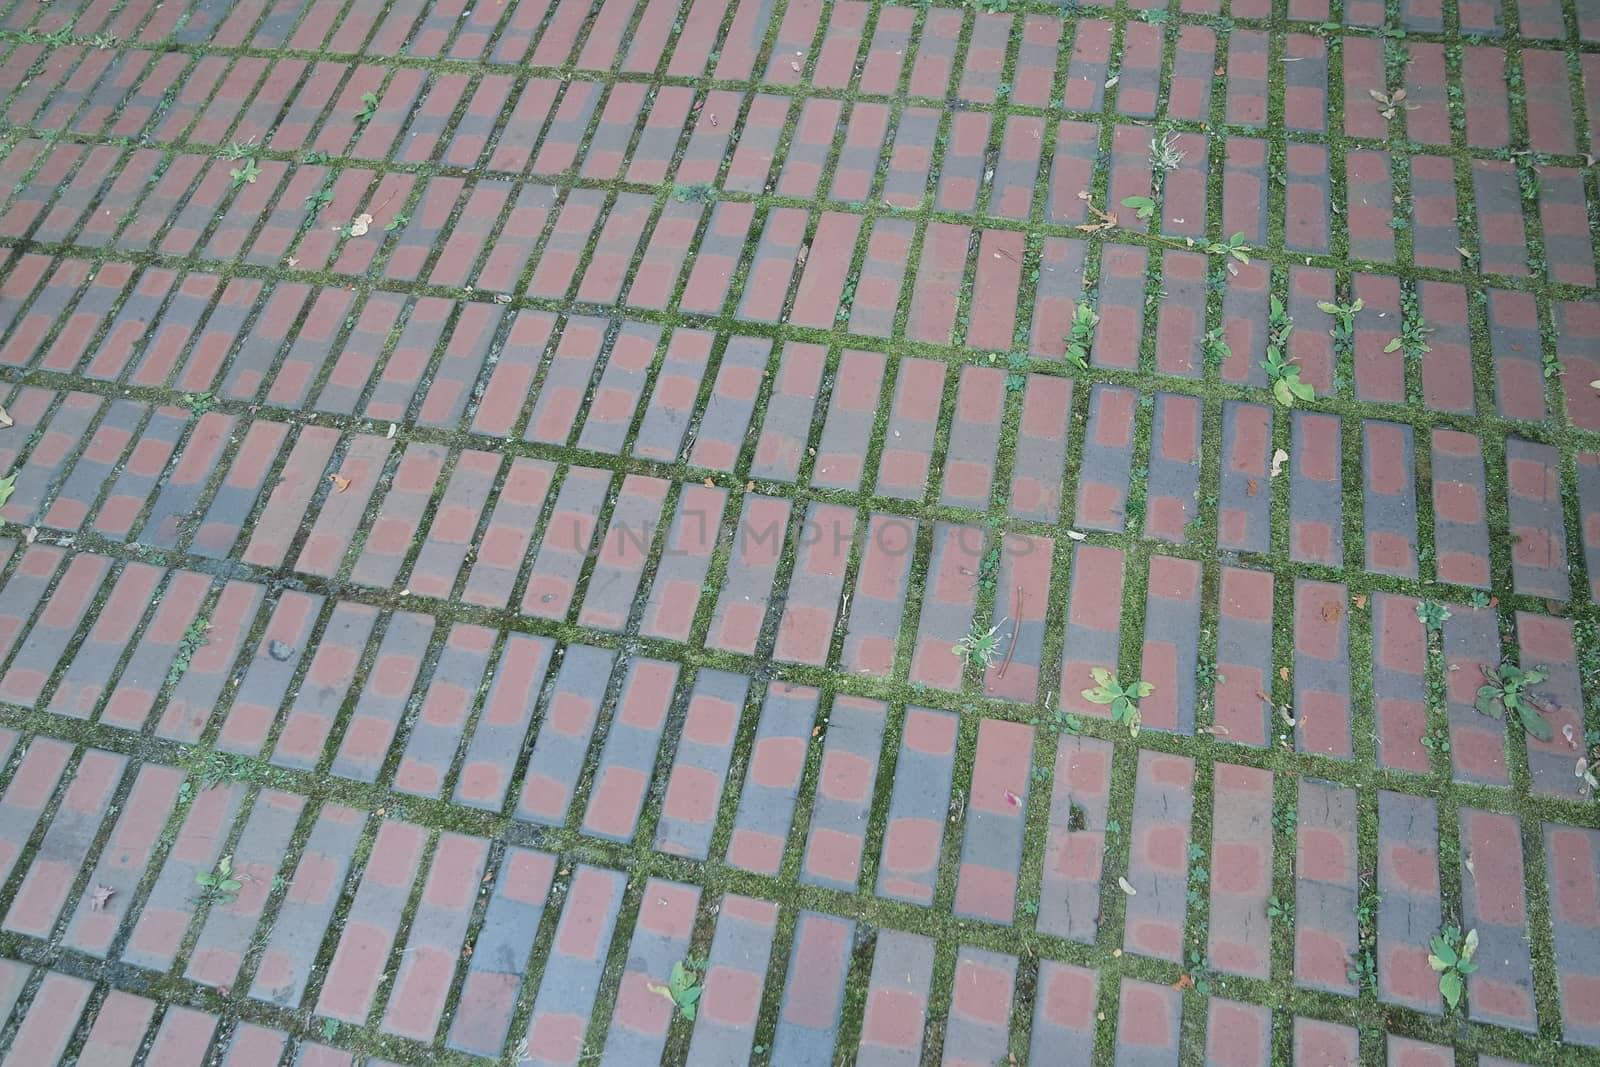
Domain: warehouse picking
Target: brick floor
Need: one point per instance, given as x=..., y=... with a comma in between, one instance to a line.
x=512, y=496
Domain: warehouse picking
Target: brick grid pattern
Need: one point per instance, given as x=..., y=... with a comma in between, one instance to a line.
x=521, y=518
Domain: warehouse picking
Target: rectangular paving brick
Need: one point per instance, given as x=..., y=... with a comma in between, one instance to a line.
x=980, y=1006
x=495, y=745
x=229, y=926
x=1399, y=688
x=1170, y=652
x=1325, y=887
x=1321, y=669
x=805, y=631
x=918, y=802
x=451, y=695
x=786, y=426
x=847, y=430
x=642, y=1017
x=759, y=538
x=1022, y=600
x=1460, y=528
x=1104, y=470
x=324, y=687
x=383, y=700
x=621, y=383
x=913, y=423
x=511, y=525
x=1158, y=863
x=495, y=969
x=686, y=554
x=878, y=602
x=572, y=974
x=843, y=801
x=565, y=388
x=1477, y=742
x=1240, y=934
x=725, y=1024
x=438, y=929
x=766, y=802
x=1408, y=907
x=621, y=557
x=1094, y=621
x=119, y=1029
x=563, y=741
x=1037, y=470
x=1316, y=528
x=159, y=931
x=673, y=398
x=948, y=605
x=725, y=421
x=1064, y=1013
x=43, y=892
x=370, y=926
x=1549, y=643
x=271, y=669
x=339, y=512
x=992, y=844
x=700, y=764
x=628, y=758
x=1571, y=856
x=567, y=541
x=1494, y=903
x=1538, y=541
x=44, y=1032
x=897, y=1000
x=1389, y=509
x=81, y=688
x=455, y=524
x=41, y=651
x=1069, y=897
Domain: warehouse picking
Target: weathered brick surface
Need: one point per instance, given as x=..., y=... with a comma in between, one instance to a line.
x=531, y=485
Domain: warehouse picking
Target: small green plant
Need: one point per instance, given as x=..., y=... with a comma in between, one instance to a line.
x=1436, y=740
x=1233, y=246
x=1432, y=615
x=316, y=158
x=1285, y=377
x=1363, y=972
x=219, y=885
x=1413, y=339
x=1506, y=694
x=1451, y=959
x=368, y=108
x=695, y=193
x=396, y=223
x=979, y=646
x=1124, y=700
x=1280, y=910
x=193, y=639
x=1551, y=365
x=235, y=150
x=246, y=174
x=1284, y=819
x=330, y=1029
x=683, y=988
x=198, y=403
x=8, y=485
x=1199, y=971
x=1344, y=318
x=1030, y=906
x=319, y=200
x=1207, y=675
x=1215, y=347
x=1080, y=335
x=1143, y=206
x=1165, y=155
x=1479, y=598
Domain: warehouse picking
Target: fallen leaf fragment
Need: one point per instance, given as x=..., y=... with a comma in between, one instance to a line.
x=5, y=419
x=1183, y=982
x=1361, y=601
x=1279, y=458
x=101, y=897
x=1251, y=487
x=1127, y=887
x=340, y=482
x=360, y=225
x=1332, y=612
x=1012, y=799
x=1283, y=672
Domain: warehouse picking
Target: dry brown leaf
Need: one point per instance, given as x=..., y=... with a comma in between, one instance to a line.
x=360, y=225
x=1279, y=458
x=1332, y=612
x=1283, y=672
x=340, y=482
x=1263, y=697
x=1183, y=982
x=1361, y=601
x=1251, y=487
